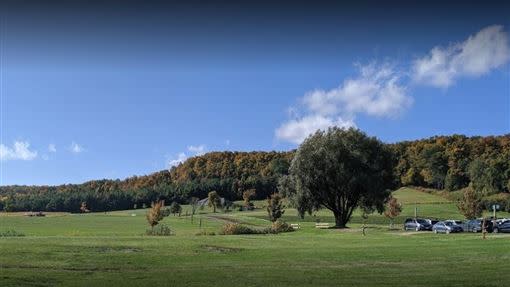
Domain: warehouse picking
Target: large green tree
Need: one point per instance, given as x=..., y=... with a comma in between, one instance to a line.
x=340, y=169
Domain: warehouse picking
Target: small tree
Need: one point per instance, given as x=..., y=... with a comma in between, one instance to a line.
x=175, y=208
x=393, y=209
x=83, y=207
x=471, y=204
x=214, y=200
x=248, y=195
x=227, y=204
x=155, y=214
x=275, y=208
x=194, y=205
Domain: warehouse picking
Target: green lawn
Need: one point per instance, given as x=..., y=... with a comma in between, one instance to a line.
x=110, y=249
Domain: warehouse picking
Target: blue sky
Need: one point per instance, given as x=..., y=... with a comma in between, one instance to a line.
x=94, y=91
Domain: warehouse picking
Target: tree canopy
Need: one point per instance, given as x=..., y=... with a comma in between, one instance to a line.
x=341, y=170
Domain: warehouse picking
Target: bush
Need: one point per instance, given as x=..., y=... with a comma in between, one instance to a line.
x=11, y=233
x=236, y=228
x=175, y=208
x=279, y=226
x=160, y=230
x=165, y=212
x=276, y=227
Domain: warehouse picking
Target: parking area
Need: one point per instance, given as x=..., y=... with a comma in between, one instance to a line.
x=447, y=226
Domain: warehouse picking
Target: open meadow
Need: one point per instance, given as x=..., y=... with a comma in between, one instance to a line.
x=110, y=249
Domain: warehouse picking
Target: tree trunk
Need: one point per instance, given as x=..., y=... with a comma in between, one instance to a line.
x=339, y=221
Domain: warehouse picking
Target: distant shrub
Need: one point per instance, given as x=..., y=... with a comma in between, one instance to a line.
x=279, y=226
x=248, y=195
x=175, y=208
x=275, y=208
x=160, y=230
x=11, y=233
x=276, y=227
x=165, y=212
x=156, y=213
x=236, y=229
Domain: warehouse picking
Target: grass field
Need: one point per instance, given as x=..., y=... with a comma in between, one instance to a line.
x=110, y=249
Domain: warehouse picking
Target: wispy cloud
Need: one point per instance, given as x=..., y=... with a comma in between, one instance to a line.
x=486, y=50
x=375, y=91
x=19, y=151
x=76, y=148
x=197, y=150
x=382, y=90
x=52, y=148
x=295, y=131
x=182, y=157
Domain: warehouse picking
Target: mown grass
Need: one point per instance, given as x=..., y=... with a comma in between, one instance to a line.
x=110, y=249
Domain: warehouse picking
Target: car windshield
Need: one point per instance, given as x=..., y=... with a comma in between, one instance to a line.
x=449, y=223
x=422, y=221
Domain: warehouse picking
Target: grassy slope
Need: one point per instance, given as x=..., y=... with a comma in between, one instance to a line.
x=107, y=249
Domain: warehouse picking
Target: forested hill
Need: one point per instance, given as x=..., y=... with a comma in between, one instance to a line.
x=229, y=173
x=449, y=162
x=452, y=162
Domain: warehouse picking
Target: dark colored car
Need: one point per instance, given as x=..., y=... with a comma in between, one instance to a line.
x=502, y=227
x=475, y=225
x=417, y=224
x=446, y=227
x=458, y=223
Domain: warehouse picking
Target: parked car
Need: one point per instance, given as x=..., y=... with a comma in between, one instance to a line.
x=501, y=221
x=417, y=224
x=458, y=223
x=502, y=227
x=432, y=221
x=475, y=225
x=446, y=227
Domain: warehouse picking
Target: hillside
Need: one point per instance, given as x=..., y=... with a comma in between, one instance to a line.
x=442, y=162
x=407, y=195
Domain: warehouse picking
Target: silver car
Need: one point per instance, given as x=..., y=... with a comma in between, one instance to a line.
x=446, y=227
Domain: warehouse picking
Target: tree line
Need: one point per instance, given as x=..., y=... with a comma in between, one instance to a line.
x=228, y=173
x=442, y=162
x=453, y=162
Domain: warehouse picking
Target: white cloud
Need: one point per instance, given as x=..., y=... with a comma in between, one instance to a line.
x=19, y=151
x=52, y=148
x=76, y=148
x=295, y=131
x=376, y=91
x=197, y=150
x=181, y=157
x=486, y=50
x=227, y=142
x=382, y=90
